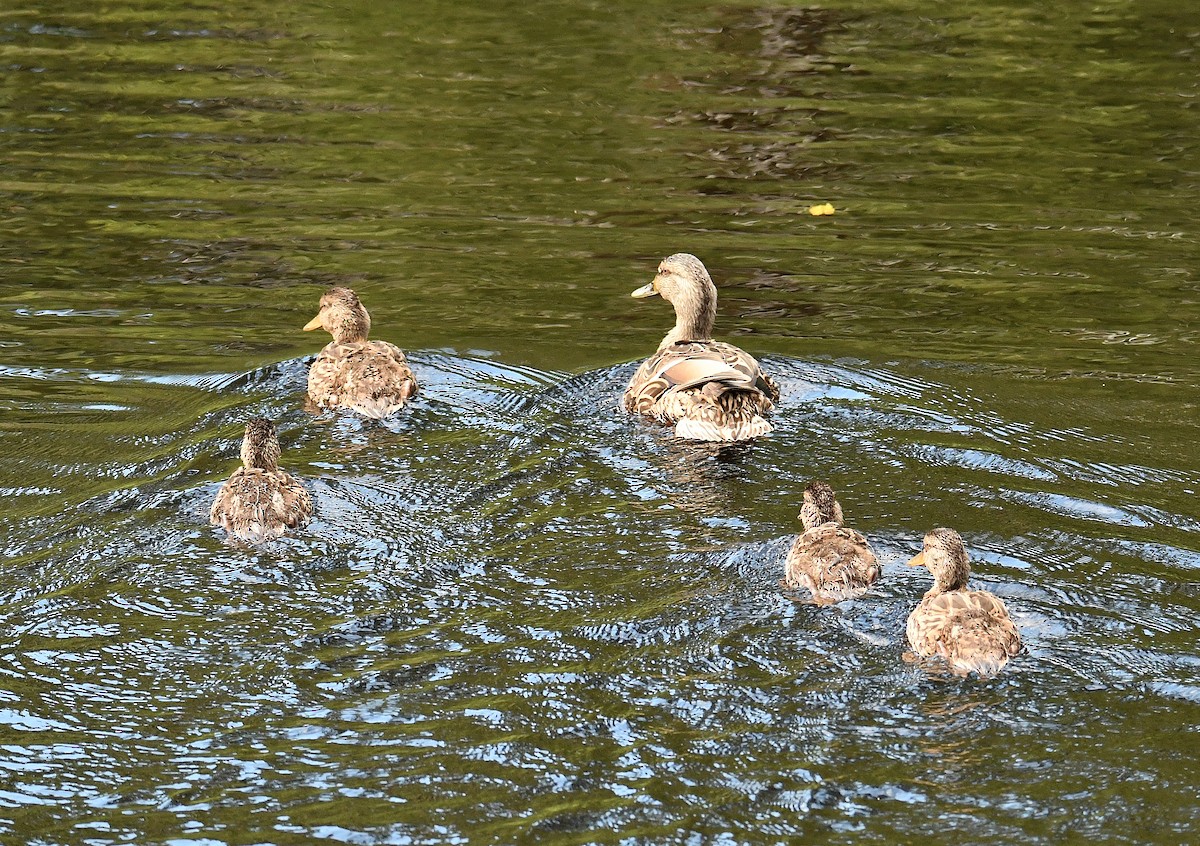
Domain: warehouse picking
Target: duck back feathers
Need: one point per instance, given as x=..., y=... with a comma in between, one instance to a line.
x=970, y=629
x=370, y=377
x=259, y=505
x=833, y=562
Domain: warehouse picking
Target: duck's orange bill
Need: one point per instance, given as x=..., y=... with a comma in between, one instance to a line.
x=315, y=323
x=644, y=291
x=917, y=560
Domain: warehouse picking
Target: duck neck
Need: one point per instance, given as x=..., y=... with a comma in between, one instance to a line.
x=694, y=318
x=351, y=332
x=261, y=456
x=813, y=515
x=946, y=581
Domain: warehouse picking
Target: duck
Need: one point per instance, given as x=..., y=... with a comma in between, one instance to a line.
x=832, y=561
x=369, y=377
x=260, y=502
x=708, y=390
x=970, y=629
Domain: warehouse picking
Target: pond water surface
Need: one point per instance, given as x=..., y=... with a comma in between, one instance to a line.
x=520, y=616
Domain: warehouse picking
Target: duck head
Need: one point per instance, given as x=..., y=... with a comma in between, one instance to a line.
x=342, y=316
x=820, y=506
x=683, y=281
x=945, y=556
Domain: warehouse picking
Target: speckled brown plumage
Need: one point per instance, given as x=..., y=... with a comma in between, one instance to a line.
x=707, y=389
x=830, y=560
x=259, y=501
x=970, y=629
x=370, y=377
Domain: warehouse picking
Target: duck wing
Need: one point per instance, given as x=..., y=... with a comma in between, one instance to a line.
x=690, y=364
x=710, y=390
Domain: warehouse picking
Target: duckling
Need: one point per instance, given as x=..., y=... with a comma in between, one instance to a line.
x=259, y=501
x=833, y=562
x=370, y=377
x=709, y=390
x=970, y=629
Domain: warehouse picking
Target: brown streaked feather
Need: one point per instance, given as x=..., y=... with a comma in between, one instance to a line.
x=833, y=562
x=257, y=505
x=712, y=390
x=970, y=629
x=767, y=385
x=372, y=378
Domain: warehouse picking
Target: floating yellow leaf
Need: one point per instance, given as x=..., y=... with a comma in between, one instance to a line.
x=823, y=208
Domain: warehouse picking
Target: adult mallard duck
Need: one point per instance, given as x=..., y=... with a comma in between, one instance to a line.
x=259, y=501
x=370, y=377
x=971, y=629
x=710, y=391
x=833, y=562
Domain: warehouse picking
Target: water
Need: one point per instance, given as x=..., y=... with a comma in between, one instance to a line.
x=520, y=616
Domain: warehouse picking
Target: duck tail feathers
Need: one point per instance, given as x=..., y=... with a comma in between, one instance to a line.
x=700, y=429
x=984, y=665
x=383, y=404
x=376, y=409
